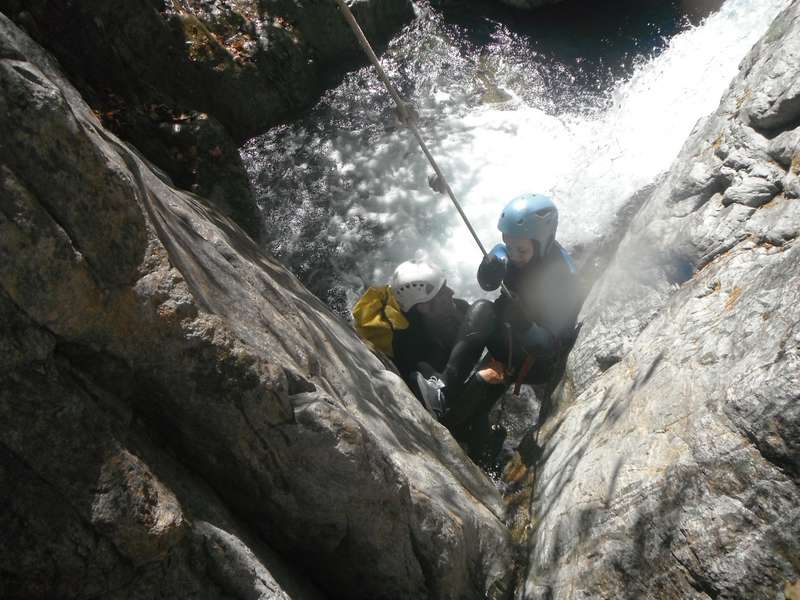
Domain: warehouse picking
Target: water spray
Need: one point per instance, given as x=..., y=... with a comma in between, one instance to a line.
x=408, y=116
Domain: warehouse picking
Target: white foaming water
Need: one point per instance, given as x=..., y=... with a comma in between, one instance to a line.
x=590, y=163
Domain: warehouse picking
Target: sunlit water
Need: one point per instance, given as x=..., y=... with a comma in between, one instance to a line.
x=345, y=194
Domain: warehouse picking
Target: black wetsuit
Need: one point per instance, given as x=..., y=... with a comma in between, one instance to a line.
x=539, y=322
x=419, y=344
x=547, y=298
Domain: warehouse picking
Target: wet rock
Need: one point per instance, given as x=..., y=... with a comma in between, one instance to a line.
x=247, y=64
x=770, y=100
x=188, y=81
x=180, y=416
x=785, y=148
x=670, y=467
x=136, y=511
x=750, y=191
x=235, y=567
x=791, y=185
x=198, y=155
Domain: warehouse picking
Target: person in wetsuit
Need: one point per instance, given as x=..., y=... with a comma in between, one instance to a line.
x=434, y=318
x=528, y=333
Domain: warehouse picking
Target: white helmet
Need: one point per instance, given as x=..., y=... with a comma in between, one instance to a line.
x=416, y=281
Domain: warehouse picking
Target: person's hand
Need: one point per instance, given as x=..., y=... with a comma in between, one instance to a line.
x=493, y=268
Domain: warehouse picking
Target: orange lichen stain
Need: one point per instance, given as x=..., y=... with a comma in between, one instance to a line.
x=515, y=470
x=743, y=98
x=795, y=167
x=733, y=297
x=167, y=311
x=631, y=370
x=773, y=203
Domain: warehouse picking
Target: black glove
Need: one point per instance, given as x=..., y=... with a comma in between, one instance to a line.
x=493, y=268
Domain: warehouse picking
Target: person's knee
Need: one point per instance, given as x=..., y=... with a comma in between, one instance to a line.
x=481, y=319
x=425, y=369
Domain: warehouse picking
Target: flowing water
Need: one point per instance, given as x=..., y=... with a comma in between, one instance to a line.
x=508, y=104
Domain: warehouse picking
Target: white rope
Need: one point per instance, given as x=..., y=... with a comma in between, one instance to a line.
x=406, y=114
x=408, y=117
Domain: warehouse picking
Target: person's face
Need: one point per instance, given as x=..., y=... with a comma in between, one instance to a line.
x=520, y=250
x=440, y=306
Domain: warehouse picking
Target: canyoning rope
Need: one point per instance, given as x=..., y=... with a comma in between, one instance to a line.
x=407, y=115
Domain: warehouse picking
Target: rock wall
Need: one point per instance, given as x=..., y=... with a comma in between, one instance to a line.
x=180, y=416
x=672, y=461
x=186, y=81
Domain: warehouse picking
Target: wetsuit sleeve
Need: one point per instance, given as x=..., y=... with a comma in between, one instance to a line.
x=404, y=353
x=493, y=268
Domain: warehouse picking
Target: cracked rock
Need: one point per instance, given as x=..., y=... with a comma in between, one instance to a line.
x=675, y=473
x=750, y=191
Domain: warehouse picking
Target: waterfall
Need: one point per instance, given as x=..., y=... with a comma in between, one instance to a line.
x=345, y=192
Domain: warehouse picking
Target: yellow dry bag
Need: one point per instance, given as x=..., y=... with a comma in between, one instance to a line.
x=377, y=315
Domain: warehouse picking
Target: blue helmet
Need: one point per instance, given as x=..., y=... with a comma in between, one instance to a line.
x=533, y=217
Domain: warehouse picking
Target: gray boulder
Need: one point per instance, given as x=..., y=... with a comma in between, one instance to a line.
x=187, y=81
x=672, y=460
x=249, y=64
x=180, y=416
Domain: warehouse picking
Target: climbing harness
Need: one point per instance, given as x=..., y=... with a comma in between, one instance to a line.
x=523, y=373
